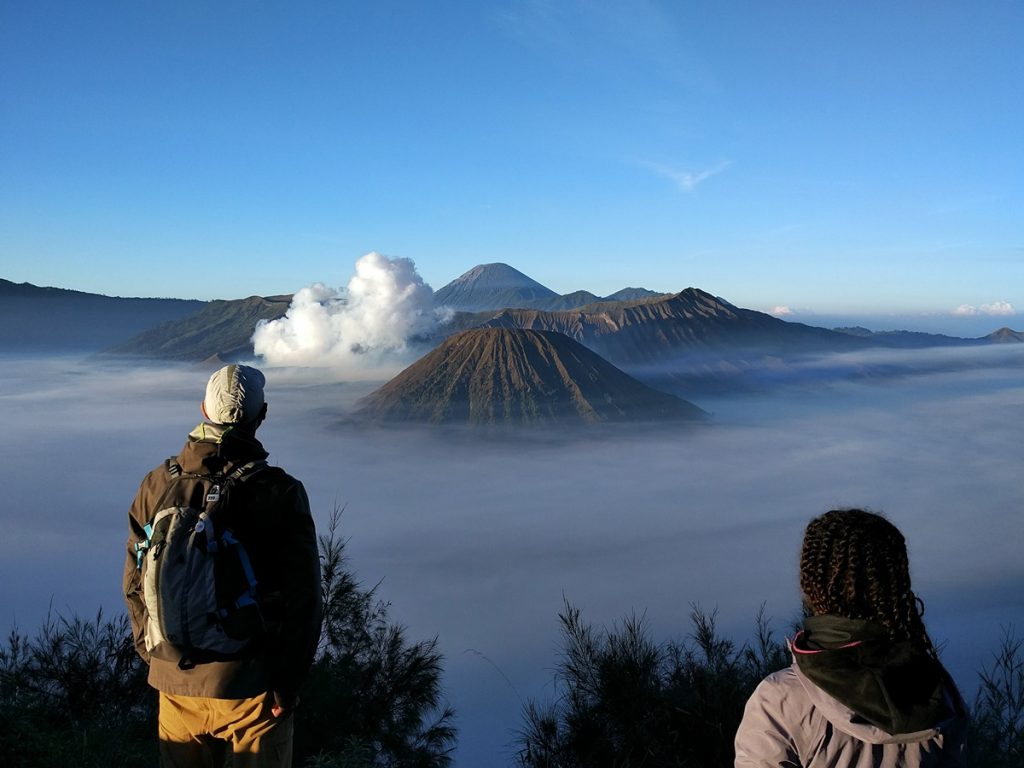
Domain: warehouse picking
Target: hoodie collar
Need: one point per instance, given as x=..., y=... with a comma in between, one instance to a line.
x=891, y=684
x=212, y=448
x=836, y=633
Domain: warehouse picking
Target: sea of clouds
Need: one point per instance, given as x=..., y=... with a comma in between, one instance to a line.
x=478, y=541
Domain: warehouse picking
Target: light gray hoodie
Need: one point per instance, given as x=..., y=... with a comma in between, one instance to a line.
x=791, y=722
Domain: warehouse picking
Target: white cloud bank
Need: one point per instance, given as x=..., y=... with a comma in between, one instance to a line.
x=780, y=311
x=995, y=309
x=367, y=325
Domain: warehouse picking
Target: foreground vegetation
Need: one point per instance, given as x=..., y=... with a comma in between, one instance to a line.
x=76, y=694
x=625, y=701
x=628, y=701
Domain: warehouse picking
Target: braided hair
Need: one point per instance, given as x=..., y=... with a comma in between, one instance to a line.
x=854, y=564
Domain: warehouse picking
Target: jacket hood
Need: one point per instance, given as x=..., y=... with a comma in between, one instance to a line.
x=878, y=690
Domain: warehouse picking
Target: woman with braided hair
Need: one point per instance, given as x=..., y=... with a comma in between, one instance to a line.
x=866, y=689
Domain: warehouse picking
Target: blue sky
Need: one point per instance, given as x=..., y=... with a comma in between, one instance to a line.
x=831, y=158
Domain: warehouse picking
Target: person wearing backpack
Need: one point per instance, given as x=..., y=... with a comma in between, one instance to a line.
x=222, y=582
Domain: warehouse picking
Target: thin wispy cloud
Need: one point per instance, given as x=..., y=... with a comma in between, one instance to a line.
x=687, y=180
x=611, y=37
x=995, y=309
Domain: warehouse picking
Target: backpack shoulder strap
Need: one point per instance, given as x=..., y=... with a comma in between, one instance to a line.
x=176, y=473
x=245, y=471
x=221, y=485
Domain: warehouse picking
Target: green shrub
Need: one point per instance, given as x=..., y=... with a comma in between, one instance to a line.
x=76, y=694
x=626, y=702
x=373, y=698
x=997, y=719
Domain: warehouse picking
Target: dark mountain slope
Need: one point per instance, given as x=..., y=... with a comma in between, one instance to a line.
x=512, y=376
x=634, y=294
x=661, y=330
x=568, y=301
x=34, y=318
x=222, y=329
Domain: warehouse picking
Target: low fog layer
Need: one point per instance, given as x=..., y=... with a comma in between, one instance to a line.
x=478, y=540
x=964, y=321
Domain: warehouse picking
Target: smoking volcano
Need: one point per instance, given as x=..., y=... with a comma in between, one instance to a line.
x=518, y=376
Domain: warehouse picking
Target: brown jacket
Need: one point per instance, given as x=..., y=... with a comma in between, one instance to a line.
x=277, y=529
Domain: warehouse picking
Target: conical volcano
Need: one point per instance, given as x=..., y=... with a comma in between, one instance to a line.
x=517, y=376
x=487, y=286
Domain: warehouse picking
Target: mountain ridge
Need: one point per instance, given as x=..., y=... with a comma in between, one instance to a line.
x=11, y=288
x=654, y=330
x=489, y=287
x=697, y=333
x=34, y=318
x=221, y=330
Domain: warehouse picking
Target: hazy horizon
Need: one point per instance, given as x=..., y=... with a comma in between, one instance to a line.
x=963, y=322
x=478, y=541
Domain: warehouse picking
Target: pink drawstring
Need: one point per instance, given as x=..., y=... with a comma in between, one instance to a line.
x=794, y=649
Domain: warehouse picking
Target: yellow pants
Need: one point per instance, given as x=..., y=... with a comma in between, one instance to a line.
x=196, y=732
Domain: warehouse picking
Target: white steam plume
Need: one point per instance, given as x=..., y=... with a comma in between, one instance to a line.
x=365, y=326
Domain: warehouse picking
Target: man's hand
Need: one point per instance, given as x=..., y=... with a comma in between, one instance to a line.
x=283, y=704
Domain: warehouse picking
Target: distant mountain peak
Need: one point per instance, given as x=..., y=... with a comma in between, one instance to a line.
x=487, y=286
x=694, y=301
x=632, y=294
x=499, y=275
x=1005, y=335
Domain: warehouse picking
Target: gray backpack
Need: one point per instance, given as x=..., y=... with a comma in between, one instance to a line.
x=199, y=588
